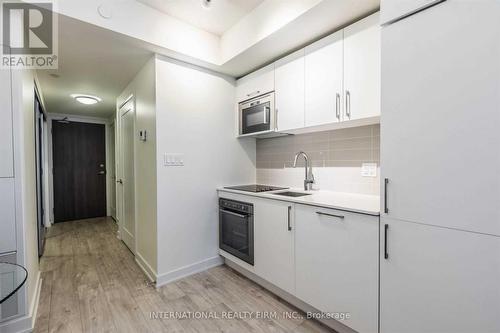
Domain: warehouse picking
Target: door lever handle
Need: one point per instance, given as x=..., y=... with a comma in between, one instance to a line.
x=119, y=181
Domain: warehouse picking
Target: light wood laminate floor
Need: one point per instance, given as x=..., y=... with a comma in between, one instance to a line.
x=91, y=283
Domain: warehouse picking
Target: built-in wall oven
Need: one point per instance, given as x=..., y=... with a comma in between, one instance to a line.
x=257, y=115
x=236, y=229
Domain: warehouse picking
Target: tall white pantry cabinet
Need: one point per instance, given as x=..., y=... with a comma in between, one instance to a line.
x=7, y=202
x=440, y=169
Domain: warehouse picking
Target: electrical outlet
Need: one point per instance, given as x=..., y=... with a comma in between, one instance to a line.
x=170, y=159
x=369, y=170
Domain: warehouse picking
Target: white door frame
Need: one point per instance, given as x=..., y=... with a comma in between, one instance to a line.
x=119, y=171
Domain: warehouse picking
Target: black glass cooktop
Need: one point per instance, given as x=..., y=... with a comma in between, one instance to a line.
x=256, y=188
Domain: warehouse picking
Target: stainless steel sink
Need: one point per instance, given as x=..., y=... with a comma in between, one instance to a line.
x=292, y=194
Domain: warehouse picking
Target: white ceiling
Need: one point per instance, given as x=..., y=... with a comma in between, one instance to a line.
x=219, y=17
x=92, y=61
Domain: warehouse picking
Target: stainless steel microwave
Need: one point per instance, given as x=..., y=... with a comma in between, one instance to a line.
x=257, y=115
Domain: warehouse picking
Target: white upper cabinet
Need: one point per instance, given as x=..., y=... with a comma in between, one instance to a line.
x=438, y=280
x=324, y=80
x=255, y=84
x=8, y=219
x=274, y=243
x=6, y=147
x=333, y=80
x=440, y=121
x=392, y=10
x=336, y=264
x=289, y=91
x=362, y=69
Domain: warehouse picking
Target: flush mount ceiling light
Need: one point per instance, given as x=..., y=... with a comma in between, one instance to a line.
x=86, y=99
x=206, y=3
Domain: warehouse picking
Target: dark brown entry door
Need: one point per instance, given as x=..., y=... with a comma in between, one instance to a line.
x=79, y=155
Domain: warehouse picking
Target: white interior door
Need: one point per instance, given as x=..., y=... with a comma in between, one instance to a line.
x=126, y=179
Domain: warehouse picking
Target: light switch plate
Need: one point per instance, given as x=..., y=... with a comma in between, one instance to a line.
x=369, y=170
x=173, y=159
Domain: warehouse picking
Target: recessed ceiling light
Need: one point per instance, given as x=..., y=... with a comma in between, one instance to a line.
x=86, y=99
x=206, y=3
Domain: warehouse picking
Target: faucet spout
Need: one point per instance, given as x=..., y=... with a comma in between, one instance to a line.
x=309, y=178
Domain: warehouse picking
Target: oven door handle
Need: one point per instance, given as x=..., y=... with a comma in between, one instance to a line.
x=233, y=213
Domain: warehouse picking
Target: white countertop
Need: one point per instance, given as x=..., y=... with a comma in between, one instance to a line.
x=357, y=203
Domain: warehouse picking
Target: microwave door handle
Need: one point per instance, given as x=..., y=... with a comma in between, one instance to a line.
x=267, y=111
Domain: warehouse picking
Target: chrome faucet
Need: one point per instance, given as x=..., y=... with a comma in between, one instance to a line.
x=309, y=178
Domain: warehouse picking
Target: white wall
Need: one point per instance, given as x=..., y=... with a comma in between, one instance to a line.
x=264, y=20
x=143, y=89
x=195, y=117
x=132, y=18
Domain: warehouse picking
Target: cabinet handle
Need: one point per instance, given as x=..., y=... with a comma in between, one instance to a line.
x=289, y=217
x=276, y=119
x=253, y=93
x=386, y=207
x=331, y=215
x=337, y=106
x=348, y=104
x=386, y=254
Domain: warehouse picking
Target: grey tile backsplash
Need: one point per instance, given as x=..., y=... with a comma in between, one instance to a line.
x=336, y=157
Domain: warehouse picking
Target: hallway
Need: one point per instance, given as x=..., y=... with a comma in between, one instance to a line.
x=91, y=283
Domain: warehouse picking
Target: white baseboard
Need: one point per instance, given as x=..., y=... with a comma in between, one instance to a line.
x=179, y=273
x=146, y=267
x=25, y=323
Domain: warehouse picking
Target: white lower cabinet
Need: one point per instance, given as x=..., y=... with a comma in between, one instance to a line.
x=336, y=264
x=438, y=279
x=274, y=243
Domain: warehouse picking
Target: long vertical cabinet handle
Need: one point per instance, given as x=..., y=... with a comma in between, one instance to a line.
x=348, y=104
x=289, y=218
x=276, y=119
x=386, y=207
x=386, y=254
x=337, y=106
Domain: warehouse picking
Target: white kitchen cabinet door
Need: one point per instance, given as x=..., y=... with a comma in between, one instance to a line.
x=8, y=217
x=440, y=121
x=362, y=69
x=336, y=261
x=392, y=10
x=438, y=280
x=6, y=147
x=289, y=91
x=273, y=243
x=255, y=84
x=324, y=80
